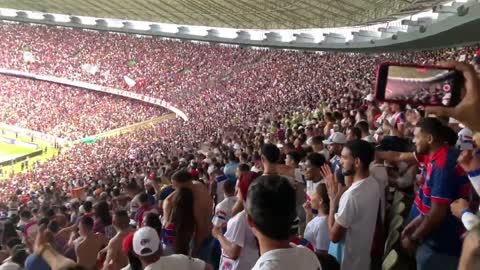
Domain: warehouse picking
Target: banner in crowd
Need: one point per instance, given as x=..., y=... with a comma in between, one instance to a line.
x=28, y=57
x=129, y=81
x=90, y=69
x=99, y=88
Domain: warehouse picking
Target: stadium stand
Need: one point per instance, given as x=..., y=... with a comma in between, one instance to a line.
x=273, y=122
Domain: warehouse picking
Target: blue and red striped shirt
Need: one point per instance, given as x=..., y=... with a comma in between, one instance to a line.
x=443, y=181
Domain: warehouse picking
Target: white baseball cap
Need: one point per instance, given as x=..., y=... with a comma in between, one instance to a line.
x=146, y=241
x=336, y=137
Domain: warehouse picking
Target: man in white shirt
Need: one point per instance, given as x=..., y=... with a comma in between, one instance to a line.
x=134, y=193
x=364, y=128
x=354, y=222
x=146, y=245
x=313, y=172
x=271, y=211
x=217, y=185
x=223, y=210
x=318, y=147
x=335, y=145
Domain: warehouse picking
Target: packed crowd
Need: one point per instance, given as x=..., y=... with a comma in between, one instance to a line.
x=278, y=154
x=67, y=112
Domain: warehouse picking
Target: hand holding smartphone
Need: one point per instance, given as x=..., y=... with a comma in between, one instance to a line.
x=419, y=84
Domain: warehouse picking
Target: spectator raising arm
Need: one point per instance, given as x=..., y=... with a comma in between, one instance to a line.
x=337, y=232
x=54, y=259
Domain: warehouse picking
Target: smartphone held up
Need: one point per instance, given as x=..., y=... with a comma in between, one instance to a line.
x=418, y=85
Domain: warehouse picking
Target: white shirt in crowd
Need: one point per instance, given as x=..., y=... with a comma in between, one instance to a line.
x=135, y=204
x=239, y=233
x=317, y=233
x=357, y=212
x=10, y=266
x=299, y=175
x=379, y=173
x=219, y=192
x=369, y=139
x=223, y=211
x=311, y=187
x=175, y=262
x=325, y=154
x=288, y=259
x=471, y=220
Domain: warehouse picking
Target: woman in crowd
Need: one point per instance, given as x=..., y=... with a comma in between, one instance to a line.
x=316, y=231
x=178, y=233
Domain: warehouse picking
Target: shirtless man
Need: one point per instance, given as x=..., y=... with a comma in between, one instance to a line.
x=116, y=259
x=88, y=245
x=202, y=208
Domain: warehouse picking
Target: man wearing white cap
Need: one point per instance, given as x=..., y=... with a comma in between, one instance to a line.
x=335, y=145
x=146, y=245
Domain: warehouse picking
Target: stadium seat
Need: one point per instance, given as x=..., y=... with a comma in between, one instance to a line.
x=390, y=261
x=396, y=209
x=392, y=239
x=397, y=197
x=396, y=223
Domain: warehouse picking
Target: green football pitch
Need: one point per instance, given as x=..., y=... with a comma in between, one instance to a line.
x=8, y=151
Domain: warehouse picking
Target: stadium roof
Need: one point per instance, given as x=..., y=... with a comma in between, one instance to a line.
x=243, y=14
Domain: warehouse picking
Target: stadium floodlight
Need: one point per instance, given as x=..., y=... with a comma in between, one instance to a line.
x=155, y=28
x=22, y=15
x=213, y=33
x=273, y=37
x=243, y=35
x=49, y=17
x=183, y=30
x=334, y=38
x=417, y=26
x=425, y=20
x=442, y=9
x=462, y=10
x=127, y=25
x=101, y=23
x=75, y=20
x=457, y=4
x=389, y=32
x=418, y=22
x=365, y=36
x=303, y=38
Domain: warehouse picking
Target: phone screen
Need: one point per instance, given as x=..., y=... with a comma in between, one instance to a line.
x=420, y=85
